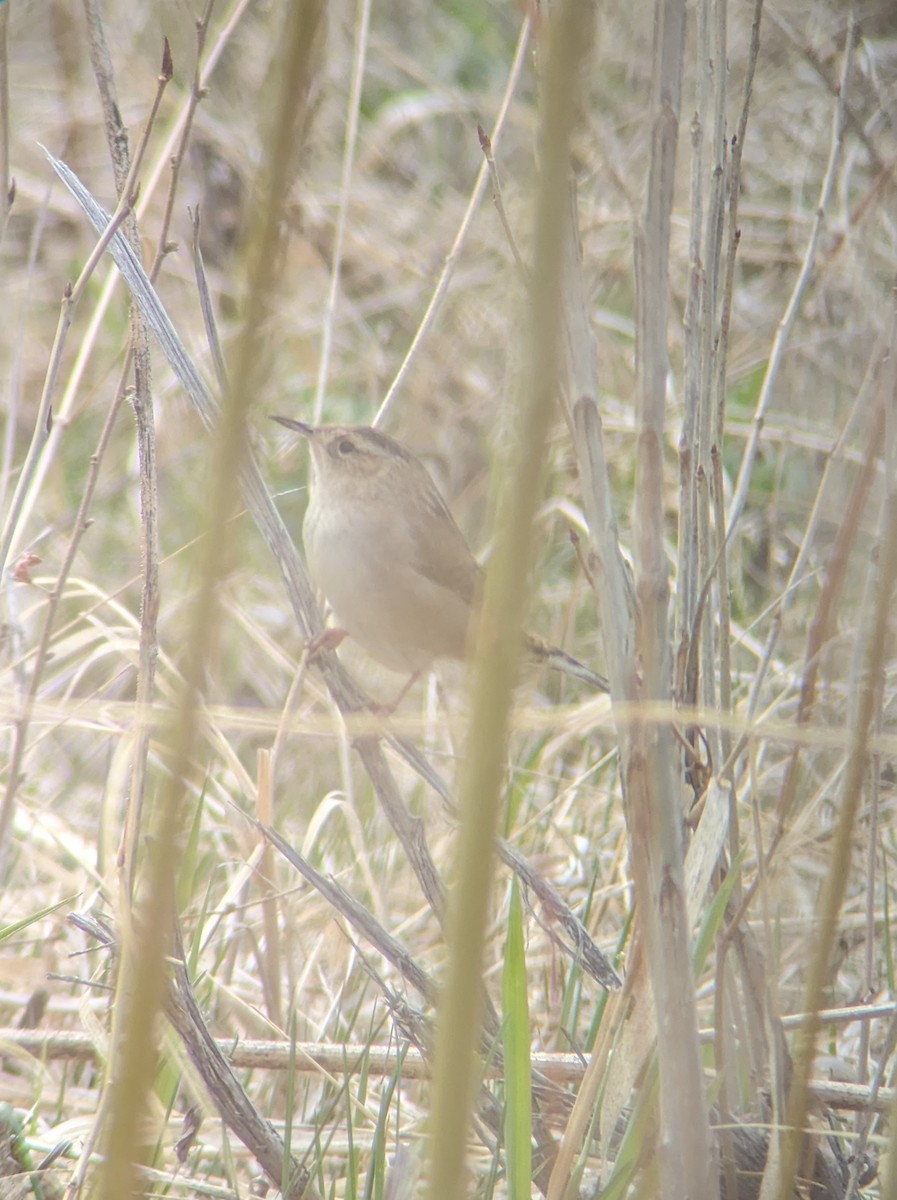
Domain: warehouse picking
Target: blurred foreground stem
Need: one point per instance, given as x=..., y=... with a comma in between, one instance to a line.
x=498, y=642
x=146, y=943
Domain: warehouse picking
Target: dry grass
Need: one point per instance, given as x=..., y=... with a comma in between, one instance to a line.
x=268, y=955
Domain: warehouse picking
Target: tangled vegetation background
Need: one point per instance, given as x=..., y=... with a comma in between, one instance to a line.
x=157, y=706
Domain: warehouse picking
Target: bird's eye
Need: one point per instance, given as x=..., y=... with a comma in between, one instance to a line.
x=346, y=446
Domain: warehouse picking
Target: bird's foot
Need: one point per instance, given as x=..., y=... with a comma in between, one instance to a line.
x=327, y=639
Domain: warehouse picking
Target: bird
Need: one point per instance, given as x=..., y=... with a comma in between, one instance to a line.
x=385, y=550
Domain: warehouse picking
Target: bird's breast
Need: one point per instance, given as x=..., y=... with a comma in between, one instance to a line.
x=365, y=563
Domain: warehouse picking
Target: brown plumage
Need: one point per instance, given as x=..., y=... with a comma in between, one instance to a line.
x=385, y=550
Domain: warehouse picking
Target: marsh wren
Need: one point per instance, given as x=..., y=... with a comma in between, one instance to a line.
x=384, y=549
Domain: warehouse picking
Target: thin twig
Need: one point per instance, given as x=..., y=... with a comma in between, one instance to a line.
x=124, y=170
x=498, y=201
x=359, y=59
x=43, y=426
x=38, y=441
x=786, y=323
x=451, y=260
x=87, y=341
x=198, y=92
x=207, y=309
x=836, y=877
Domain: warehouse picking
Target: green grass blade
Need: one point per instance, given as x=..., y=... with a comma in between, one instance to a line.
x=518, y=1073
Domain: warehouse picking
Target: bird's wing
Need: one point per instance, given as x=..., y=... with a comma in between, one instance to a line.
x=441, y=553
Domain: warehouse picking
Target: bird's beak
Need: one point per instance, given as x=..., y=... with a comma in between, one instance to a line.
x=298, y=426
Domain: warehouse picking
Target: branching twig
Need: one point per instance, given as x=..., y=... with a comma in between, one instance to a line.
x=497, y=200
